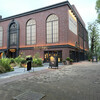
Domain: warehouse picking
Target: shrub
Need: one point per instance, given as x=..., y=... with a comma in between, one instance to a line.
x=12, y=60
x=18, y=60
x=12, y=64
x=2, y=69
x=64, y=60
x=37, y=55
x=37, y=62
x=68, y=59
x=5, y=63
x=22, y=54
x=71, y=60
x=23, y=61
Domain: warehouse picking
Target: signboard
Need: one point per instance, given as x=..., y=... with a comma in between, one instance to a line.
x=72, y=22
x=12, y=50
x=53, y=61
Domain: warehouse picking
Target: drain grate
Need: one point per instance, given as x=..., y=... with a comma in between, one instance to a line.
x=29, y=95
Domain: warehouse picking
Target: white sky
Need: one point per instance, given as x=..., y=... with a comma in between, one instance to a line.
x=86, y=8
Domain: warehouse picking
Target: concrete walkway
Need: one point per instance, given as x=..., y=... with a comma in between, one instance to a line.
x=20, y=71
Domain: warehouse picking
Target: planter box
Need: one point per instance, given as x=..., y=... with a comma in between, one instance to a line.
x=68, y=62
x=64, y=63
x=71, y=63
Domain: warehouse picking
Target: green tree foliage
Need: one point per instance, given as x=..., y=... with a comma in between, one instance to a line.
x=98, y=9
x=94, y=39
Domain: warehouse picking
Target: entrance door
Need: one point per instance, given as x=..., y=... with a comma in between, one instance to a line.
x=48, y=54
x=12, y=53
x=74, y=55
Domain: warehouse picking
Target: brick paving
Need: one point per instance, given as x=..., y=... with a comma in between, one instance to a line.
x=80, y=81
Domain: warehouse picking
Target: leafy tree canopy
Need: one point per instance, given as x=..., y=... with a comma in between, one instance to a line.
x=98, y=9
x=94, y=38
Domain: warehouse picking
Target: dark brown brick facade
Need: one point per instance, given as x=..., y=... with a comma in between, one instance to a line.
x=66, y=37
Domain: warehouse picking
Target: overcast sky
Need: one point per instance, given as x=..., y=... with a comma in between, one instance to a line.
x=86, y=8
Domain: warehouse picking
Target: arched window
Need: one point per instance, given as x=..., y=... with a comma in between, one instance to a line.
x=13, y=34
x=1, y=36
x=52, y=29
x=31, y=32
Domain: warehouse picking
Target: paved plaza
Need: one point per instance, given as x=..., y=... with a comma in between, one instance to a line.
x=80, y=81
x=20, y=71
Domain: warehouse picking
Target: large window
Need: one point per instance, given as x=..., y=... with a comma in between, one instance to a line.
x=1, y=35
x=48, y=54
x=13, y=34
x=31, y=32
x=72, y=22
x=52, y=29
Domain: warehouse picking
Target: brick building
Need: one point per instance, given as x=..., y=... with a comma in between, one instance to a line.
x=54, y=30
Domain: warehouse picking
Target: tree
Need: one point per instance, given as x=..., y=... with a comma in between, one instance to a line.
x=98, y=9
x=94, y=38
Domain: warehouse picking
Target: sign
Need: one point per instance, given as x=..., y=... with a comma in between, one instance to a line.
x=12, y=50
x=53, y=61
x=72, y=22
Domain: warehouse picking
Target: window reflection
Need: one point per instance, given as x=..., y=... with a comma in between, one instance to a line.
x=31, y=32
x=52, y=29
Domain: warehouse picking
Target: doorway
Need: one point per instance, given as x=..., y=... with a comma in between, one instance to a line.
x=74, y=55
x=47, y=55
x=12, y=53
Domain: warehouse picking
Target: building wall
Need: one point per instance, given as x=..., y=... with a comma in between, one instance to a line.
x=40, y=19
x=66, y=36
x=72, y=37
x=5, y=32
x=81, y=43
x=65, y=52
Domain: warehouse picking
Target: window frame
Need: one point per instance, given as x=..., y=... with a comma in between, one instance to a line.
x=53, y=21
x=34, y=36
x=13, y=33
